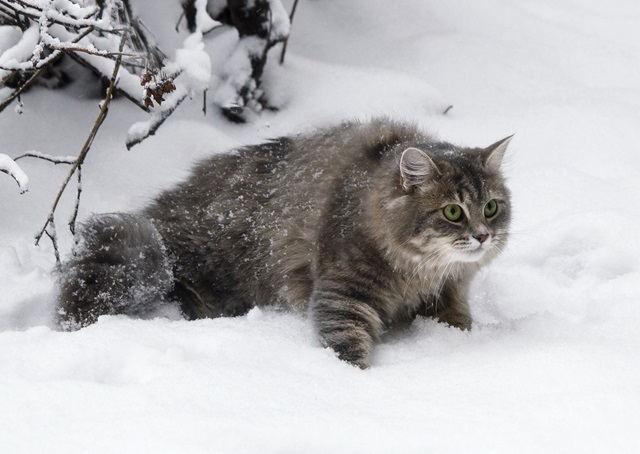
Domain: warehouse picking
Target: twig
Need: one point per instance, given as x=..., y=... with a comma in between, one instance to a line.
x=284, y=45
x=268, y=44
x=18, y=91
x=150, y=127
x=74, y=217
x=144, y=40
x=204, y=102
x=53, y=236
x=24, y=86
x=179, y=21
x=104, y=110
x=47, y=157
x=98, y=53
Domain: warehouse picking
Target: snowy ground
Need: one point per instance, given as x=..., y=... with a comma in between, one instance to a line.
x=553, y=364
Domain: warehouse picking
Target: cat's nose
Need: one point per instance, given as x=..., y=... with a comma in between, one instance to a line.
x=482, y=237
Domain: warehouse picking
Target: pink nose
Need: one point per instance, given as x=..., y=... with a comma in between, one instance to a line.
x=482, y=238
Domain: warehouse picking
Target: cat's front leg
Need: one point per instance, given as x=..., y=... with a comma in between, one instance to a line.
x=347, y=325
x=450, y=306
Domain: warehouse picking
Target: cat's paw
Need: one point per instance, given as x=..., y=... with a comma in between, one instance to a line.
x=462, y=322
x=354, y=352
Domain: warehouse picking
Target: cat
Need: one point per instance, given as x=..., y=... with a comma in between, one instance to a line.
x=364, y=224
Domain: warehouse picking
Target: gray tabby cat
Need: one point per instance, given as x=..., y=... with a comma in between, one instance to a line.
x=365, y=224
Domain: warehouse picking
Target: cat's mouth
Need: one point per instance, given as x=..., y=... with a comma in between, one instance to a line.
x=471, y=252
x=470, y=256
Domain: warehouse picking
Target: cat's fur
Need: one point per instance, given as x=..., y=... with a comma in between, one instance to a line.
x=347, y=222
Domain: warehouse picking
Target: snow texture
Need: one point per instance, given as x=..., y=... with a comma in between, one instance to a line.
x=553, y=362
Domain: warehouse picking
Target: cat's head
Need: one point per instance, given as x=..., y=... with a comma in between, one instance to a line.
x=452, y=203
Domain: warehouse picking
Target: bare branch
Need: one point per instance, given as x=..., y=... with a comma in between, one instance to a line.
x=104, y=110
x=19, y=90
x=74, y=216
x=286, y=40
x=51, y=232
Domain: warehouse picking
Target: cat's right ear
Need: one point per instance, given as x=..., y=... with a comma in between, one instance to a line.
x=493, y=154
x=415, y=168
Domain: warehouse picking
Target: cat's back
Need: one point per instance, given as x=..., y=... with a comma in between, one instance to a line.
x=293, y=172
x=335, y=148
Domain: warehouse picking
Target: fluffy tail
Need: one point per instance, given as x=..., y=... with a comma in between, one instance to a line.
x=119, y=266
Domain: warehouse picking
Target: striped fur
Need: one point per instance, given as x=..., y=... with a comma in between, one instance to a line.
x=346, y=222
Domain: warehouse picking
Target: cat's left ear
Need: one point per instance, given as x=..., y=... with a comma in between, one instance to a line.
x=493, y=154
x=416, y=167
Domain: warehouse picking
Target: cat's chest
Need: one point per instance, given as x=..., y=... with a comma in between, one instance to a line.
x=407, y=290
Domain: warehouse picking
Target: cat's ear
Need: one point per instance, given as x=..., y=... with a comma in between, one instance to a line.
x=416, y=167
x=493, y=154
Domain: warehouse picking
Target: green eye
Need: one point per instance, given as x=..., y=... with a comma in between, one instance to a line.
x=490, y=208
x=453, y=212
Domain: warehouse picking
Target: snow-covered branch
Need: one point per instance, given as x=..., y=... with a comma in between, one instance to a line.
x=141, y=130
x=190, y=71
x=34, y=34
x=9, y=166
x=47, y=157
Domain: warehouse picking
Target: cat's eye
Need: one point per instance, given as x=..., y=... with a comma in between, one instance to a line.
x=453, y=212
x=491, y=208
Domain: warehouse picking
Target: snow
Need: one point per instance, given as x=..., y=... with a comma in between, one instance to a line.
x=237, y=70
x=195, y=62
x=280, y=24
x=15, y=54
x=204, y=22
x=9, y=36
x=553, y=363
